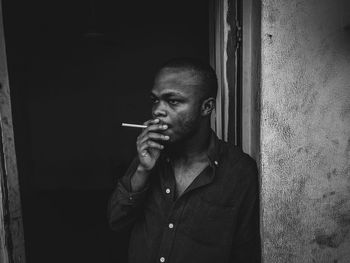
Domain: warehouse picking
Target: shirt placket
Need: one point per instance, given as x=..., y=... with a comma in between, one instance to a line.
x=177, y=208
x=169, y=231
x=174, y=215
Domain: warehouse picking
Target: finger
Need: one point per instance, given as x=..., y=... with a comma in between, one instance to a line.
x=152, y=121
x=146, y=149
x=144, y=153
x=154, y=136
x=150, y=144
x=153, y=127
x=158, y=136
x=157, y=127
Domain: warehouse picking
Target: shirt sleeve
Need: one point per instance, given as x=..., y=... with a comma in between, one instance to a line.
x=124, y=205
x=246, y=246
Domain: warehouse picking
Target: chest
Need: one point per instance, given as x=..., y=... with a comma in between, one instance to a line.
x=184, y=176
x=193, y=213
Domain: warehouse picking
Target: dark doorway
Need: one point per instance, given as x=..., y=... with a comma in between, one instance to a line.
x=77, y=70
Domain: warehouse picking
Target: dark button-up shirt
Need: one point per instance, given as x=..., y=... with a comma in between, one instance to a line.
x=216, y=219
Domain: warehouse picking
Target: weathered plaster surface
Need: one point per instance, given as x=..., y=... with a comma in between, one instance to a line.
x=305, y=130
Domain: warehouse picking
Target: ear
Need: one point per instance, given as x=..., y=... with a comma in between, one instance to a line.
x=208, y=106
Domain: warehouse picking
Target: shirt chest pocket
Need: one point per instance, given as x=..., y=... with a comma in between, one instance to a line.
x=208, y=223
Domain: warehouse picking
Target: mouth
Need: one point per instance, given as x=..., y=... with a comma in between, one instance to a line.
x=166, y=131
x=164, y=123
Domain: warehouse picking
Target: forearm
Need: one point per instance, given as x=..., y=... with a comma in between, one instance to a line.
x=127, y=199
x=124, y=207
x=139, y=179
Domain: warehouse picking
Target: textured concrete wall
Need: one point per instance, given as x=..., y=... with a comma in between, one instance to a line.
x=305, y=130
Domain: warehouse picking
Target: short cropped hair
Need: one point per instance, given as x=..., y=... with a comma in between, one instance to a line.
x=204, y=71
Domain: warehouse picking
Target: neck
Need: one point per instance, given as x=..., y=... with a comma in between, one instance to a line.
x=193, y=148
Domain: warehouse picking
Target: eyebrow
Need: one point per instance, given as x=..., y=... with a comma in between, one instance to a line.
x=167, y=95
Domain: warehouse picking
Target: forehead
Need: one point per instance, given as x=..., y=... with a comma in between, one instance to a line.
x=181, y=81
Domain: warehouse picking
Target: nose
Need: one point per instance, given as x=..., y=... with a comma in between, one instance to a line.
x=159, y=110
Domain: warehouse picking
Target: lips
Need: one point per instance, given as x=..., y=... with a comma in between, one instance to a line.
x=164, y=123
x=166, y=131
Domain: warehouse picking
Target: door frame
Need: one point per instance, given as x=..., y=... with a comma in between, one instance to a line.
x=251, y=60
x=234, y=51
x=12, y=249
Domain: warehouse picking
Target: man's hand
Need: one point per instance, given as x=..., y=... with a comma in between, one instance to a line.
x=149, y=145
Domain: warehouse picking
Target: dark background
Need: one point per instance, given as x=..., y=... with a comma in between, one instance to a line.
x=77, y=70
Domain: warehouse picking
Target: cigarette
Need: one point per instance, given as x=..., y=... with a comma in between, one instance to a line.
x=133, y=125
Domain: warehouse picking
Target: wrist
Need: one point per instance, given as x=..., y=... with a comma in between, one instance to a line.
x=143, y=170
x=139, y=178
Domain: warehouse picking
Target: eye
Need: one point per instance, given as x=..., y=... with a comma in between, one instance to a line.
x=173, y=102
x=154, y=100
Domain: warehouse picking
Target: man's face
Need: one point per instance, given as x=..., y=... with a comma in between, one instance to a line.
x=177, y=103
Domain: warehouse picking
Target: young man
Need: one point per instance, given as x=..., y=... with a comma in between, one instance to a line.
x=188, y=196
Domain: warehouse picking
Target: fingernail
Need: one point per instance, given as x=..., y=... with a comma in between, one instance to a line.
x=156, y=120
x=165, y=126
x=167, y=137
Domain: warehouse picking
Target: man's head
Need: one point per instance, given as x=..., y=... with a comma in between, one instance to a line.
x=183, y=97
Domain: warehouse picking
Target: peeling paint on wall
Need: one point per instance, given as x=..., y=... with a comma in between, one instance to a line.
x=305, y=130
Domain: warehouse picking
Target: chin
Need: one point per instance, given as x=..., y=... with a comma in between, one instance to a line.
x=172, y=141
x=178, y=139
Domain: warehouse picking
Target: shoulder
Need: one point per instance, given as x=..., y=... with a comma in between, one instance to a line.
x=235, y=155
x=235, y=160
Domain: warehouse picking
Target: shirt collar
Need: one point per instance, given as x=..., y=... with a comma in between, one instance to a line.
x=208, y=175
x=213, y=150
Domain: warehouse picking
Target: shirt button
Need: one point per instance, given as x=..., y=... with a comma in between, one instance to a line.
x=162, y=259
x=171, y=225
x=216, y=163
x=167, y=191
x=130, y=198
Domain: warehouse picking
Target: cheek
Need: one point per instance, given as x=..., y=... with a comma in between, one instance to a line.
x=186, y=121
x=183, y=127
